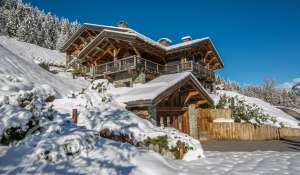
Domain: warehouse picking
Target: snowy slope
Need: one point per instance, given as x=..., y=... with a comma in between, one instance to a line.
x=32, y=52
x=64, y=148
x=25, y=67
x=267, y=108
x=47, y=152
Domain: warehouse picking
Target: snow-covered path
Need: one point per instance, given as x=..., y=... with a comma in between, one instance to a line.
x=258, y=162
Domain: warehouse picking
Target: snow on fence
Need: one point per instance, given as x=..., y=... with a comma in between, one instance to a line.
x=215, y=113
x=206, y=116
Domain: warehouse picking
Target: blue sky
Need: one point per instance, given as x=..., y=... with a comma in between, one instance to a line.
x=256, y=39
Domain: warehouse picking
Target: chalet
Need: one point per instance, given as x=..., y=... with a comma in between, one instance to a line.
x=174, y=80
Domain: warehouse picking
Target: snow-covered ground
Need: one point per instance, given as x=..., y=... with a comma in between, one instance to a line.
x=33, y=52
x=267, y=108
x=110, y=159
x=17, y=60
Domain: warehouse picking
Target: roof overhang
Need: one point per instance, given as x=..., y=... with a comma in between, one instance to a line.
x=172, y=89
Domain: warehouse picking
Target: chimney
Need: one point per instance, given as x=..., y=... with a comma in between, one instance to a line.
x=122, y=24
x=186, y=39
x=165, y=41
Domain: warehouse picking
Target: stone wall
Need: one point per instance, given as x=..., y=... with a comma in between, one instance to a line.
x=193, y=117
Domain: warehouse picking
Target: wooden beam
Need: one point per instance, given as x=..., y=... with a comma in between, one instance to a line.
x=135, y=51
x=98, y=48
x=207, y=54
x=211, y=60
x=82, y=39
x=190, y=95
x=201, y=102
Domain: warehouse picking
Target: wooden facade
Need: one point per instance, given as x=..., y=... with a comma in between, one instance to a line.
x=124, y=57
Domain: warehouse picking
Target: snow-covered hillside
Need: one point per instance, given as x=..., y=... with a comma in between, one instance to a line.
x=17, y=59
x=267, y=108
x=33, y=52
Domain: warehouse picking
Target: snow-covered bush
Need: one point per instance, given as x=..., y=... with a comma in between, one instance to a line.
x=243, y=112
x=24, y=110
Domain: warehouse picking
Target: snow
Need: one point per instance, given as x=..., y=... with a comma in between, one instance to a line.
x=99, y=110
x=267, y=108
x=151, y=89
x=13, y=116
x=186, y=37
x=166, y=39
x=129, y=31
x=31, y=51
x=61, y=147
x=223, y=120
x=16, y=61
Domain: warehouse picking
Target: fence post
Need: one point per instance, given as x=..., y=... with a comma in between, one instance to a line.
x=74, y=116
x=181, y=151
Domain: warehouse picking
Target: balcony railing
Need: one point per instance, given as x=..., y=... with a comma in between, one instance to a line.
x=134, y=62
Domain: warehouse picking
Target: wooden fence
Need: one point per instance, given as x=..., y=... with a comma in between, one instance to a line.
x=206, y=116
x=289, y=132
x=212, y=114
x=246, y=131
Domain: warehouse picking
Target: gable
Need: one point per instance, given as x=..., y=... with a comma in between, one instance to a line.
x=153, y=92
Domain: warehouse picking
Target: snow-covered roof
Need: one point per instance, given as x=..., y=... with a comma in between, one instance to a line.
x=130, y=32
x=147, y=93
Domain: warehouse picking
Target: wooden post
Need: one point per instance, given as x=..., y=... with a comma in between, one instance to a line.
x=181, y=151
x=74, y=116
x=134, y=61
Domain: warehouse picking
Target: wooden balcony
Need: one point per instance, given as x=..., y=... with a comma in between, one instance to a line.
x=133, y=62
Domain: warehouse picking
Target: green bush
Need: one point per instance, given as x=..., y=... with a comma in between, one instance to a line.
x=162, y=142
x=243, y=112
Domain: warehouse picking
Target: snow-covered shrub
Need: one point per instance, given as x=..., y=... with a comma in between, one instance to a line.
x=100, y=85
x=59, y=147
x=243, y=112
x=24, y=110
